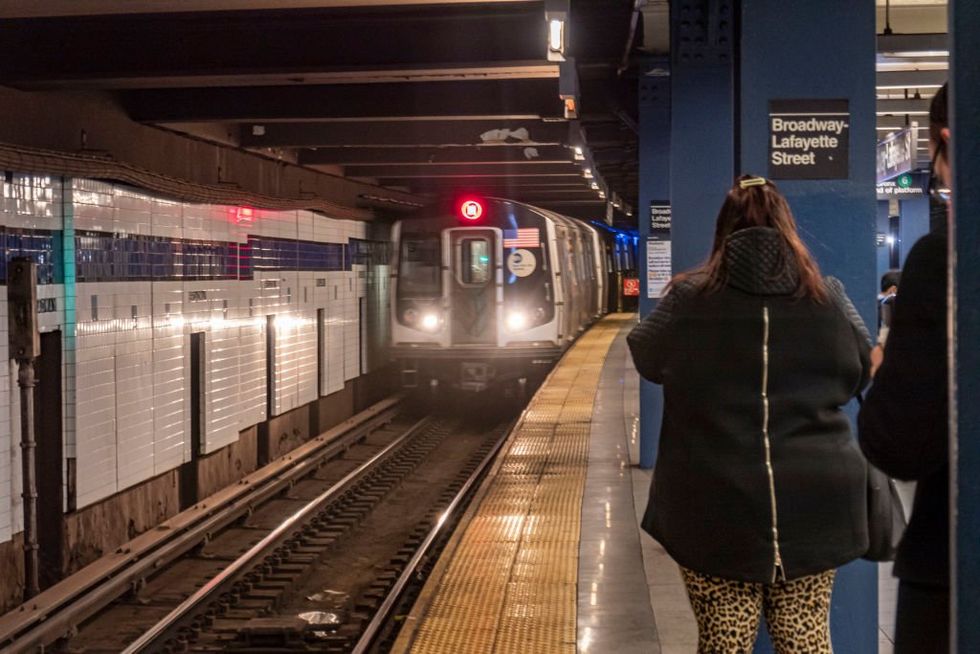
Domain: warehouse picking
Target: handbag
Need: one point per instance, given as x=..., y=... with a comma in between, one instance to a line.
x=886, y=517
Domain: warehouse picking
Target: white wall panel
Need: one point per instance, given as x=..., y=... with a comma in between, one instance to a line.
x=95, y=418
x=134, y=416
x=306, y=358
x=252, y=372
x=131, y=414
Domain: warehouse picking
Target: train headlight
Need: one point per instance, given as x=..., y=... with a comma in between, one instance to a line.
x=516, y=321
x=430, y=322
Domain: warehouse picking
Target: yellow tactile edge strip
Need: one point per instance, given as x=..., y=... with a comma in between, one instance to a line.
x=511, y=582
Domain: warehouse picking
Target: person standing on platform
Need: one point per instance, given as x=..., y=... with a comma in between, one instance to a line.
x=759, y=487
x=903, y=425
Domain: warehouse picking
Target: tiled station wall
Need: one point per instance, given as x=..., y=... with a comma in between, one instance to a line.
x=147, y=273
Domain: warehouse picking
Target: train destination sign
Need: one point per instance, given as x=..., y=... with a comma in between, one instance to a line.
x=808, y=139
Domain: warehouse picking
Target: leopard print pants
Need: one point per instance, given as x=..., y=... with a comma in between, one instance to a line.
x=728, y=613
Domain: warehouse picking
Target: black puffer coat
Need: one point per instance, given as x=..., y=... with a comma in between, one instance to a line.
x=757, y=475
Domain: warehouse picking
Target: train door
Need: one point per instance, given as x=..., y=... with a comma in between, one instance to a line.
x=474, y=285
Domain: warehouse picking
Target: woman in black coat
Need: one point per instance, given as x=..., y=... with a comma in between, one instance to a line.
x=759, y=488
x=904, y=423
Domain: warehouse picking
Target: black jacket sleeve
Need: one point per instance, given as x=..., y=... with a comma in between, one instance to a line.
x=903, y=422
x=860, y=331
x=648, y=341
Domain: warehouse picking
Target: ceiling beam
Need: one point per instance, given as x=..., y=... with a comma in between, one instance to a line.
x=398, y=134
x=271, y=48
x=425, y=157
x=475, y=170
x=503, y=99
x=496, y=185
x=911, y=79
x=50, y=8
x=901, y=107
x=913, y=45
x=476, y=181
x=325, y=75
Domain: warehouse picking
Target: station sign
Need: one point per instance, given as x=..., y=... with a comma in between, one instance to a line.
x=809, y=139
x=659, y=260
x=904, y=187
x=660, y=217
x=897, y=154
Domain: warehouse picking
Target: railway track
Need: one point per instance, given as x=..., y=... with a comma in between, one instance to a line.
x=318, y=564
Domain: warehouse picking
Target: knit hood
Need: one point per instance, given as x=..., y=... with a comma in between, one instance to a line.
x=759, y=261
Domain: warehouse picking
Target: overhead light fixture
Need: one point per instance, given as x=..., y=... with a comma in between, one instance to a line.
x=556, y=36
x=579, y=153
x=602, y=194
x=556, y=16
x=595, y=186
x=587, y=173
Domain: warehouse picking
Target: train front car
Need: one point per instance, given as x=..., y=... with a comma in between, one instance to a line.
x=478, y=297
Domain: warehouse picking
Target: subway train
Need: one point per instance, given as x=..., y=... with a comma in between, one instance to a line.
x=487, y=291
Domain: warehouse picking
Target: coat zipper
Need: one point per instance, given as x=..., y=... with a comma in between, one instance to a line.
x=777, y=570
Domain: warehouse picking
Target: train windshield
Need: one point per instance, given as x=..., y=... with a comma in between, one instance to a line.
x=420, y=267
x=475, y=266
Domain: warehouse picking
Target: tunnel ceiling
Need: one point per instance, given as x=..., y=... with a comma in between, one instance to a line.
x=429, y=97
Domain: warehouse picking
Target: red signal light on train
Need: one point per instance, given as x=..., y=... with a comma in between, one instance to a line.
x=244, y=215
x=471, y=210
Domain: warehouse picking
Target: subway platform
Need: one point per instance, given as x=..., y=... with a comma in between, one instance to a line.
x=550, y=557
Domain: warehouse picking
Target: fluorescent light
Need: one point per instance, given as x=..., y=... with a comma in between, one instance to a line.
x=556, y=36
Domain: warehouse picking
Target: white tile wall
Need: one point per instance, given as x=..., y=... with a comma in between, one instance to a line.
x=130, y=376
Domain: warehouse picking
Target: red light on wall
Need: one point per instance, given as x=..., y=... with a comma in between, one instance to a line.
x=471, y=210
x=244, y=215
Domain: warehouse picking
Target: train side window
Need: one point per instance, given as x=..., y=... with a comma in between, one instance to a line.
x=475, y=261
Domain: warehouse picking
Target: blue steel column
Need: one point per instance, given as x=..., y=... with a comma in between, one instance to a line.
x=654, y=186
x=813, y=50
x=702, y=153
x=964, y=22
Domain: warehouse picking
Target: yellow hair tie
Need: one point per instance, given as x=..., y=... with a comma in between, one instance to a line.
x=752, y=181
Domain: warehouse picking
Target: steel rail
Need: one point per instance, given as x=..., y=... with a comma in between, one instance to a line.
x=257, y=552
x=381, y=615
x=56, y=612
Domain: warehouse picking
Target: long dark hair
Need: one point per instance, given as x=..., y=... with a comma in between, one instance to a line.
x=757, y=204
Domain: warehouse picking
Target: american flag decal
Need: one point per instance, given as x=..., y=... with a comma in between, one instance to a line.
x=529, y=237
